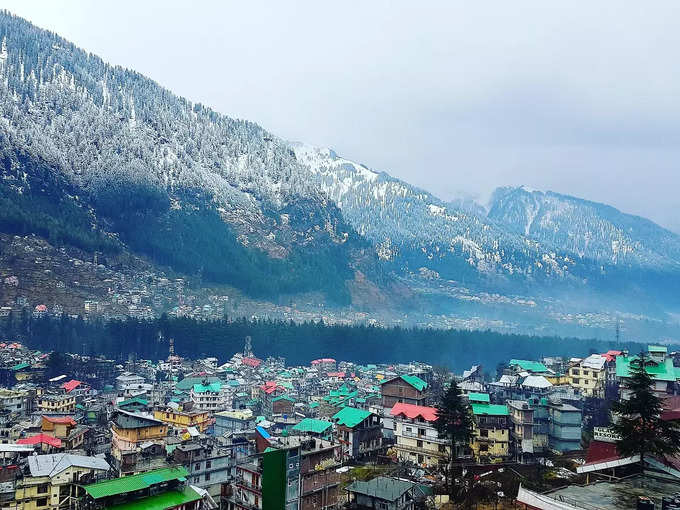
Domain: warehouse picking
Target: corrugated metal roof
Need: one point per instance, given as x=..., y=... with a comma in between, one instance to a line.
x=490, y=409
x=479, y=397
x=351, y=416
x=312, y=425
x=162, y=501
x=135, y=482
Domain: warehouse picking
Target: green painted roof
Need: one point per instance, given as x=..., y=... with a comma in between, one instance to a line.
x=20, y=366
x=283, y=397
x=313, y=405
x=657, y=348
x=479, y=397
x=415, y=381
x=134, y=400
x=490, y=409
x=312, y=425
x=661, y=371
x=134, y=482
x=188, y=382
x=351, y=416
x=213, y=387
x=162, y=501
x=529, y=366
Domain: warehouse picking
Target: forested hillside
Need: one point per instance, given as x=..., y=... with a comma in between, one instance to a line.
x=298, y=343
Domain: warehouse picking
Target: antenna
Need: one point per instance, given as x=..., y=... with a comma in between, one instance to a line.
x=618, y=330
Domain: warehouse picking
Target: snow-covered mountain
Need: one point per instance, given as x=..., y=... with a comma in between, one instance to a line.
x=106, y=160
x=168, y=178
x=586, y=229
x=528, y=240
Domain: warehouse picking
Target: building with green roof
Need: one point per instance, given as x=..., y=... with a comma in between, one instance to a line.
x=535, y=367
x=160, y=489
x=359, y=431
x=407, y=389
x=657, y=364
x=482, y=398
x=491, y=431
x=314, y=427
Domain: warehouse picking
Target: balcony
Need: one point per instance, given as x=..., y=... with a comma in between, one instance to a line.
x=249, y=486
x=420, y=437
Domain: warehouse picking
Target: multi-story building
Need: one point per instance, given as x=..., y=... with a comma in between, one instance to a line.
x=180, y=419
x=564, y=427
x=129, y=432
x=359, y=431
x=416, y=437
x=16, y=402
x=57, y=404
x=227, y=422
x=208, y=464
x=274, y=475
x=209, y=397
x=491, y=433
x=657, y=364
x=589, y=376
x=166, y=488
x=528, y=429
x=55, y=480
x=406, y=389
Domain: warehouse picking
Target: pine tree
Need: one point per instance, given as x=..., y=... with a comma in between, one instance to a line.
x=641, y=429
x=454, y=423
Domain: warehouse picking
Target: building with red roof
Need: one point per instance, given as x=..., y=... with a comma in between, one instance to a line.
x=71, y=385
x=417, y=439
x=48, y=443
x=251, y=362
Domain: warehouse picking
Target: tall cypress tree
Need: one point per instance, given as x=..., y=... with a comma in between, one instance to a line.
x=640, y=427
x=455, y=424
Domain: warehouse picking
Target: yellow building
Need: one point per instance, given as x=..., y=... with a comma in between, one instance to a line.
x=199, y=419
x=54, y=481
x=57, y=404
x=130, y=429
x=589, y=376
x=491, y=433
x=417, y=439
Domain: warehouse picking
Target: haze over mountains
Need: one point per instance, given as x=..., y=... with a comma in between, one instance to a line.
x=105, y=160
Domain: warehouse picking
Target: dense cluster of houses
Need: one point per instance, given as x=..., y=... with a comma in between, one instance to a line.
x=252, y=433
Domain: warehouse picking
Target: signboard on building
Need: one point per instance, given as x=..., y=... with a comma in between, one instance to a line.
x=605, y=434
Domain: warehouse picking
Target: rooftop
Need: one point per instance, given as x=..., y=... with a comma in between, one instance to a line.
x=388, y=489
x=312, y=425
x=169, y=499
x=413, y=411
x=489, y=409
x=351, y=416
x=620, y=495
x=479, y=397
x=529, y=366
x=135, y=482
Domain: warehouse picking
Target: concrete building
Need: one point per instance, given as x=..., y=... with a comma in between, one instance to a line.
x=416, y=437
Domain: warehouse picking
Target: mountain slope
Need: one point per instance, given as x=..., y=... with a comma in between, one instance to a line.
x=584, y=228
x=192, y=189
x=530, y=242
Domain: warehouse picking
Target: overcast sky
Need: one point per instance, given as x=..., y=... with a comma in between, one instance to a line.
x=456, y=97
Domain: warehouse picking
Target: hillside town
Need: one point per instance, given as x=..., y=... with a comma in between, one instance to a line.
x=250, y=432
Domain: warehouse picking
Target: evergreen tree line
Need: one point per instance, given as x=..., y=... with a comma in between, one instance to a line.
x=298, y=343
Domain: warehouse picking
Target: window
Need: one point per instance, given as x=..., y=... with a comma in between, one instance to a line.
x=197, y=466
x=484, y=433
x=419, y=444
x=41, y=502
x=42, y=488
x=208, y=464
x=207, y=477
